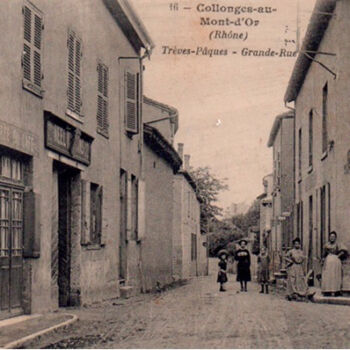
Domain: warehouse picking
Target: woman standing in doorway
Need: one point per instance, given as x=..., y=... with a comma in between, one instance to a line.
x=333, y=253
x=242, y=256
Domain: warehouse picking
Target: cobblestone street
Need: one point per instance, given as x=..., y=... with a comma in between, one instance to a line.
x=196, y=315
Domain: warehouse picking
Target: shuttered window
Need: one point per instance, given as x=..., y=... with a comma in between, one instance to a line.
x=95, y=213
x=132, y=102
x=32, y=45
x=102, y=99
x=74, y=102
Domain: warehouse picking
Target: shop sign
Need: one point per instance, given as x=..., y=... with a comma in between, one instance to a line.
x=67, y=139
x=13, y=137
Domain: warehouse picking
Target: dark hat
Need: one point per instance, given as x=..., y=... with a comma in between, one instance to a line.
x=297, y=239
x=243, y=240
x=222, y=252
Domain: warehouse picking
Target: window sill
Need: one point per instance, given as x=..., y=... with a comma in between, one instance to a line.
x=74, y=116
x=324, y=155
x=309, y=171
x=29, y=86
x=103, y=133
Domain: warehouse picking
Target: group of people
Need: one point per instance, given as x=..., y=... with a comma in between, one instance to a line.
x=297, y=282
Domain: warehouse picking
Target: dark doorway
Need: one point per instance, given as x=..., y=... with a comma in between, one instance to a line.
x=65, y=176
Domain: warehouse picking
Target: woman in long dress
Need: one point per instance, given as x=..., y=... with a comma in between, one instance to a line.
x=297, y=287
x=242, y=256
x=333, y=253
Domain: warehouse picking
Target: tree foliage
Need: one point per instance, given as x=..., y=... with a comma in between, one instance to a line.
x=249, y=219
x=208, y=188
x=223, y=234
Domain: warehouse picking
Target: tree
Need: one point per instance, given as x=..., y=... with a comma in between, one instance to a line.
x=208, y=189
x=223, y=235
x=249, y=219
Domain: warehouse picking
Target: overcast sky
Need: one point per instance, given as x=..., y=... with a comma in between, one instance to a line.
x=244, y=93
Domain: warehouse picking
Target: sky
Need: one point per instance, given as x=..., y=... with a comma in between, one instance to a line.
x=227, y=104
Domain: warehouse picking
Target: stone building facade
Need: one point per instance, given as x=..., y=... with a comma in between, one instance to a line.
x=319, y=88
x=64, y=106
x=282, y=140
x=190, y=255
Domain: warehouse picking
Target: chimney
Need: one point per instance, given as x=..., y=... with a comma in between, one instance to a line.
x=180, y=150
x=187, y=162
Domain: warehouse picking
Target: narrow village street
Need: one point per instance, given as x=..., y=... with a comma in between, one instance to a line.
x=196, y=315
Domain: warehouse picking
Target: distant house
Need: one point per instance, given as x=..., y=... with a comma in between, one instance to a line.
x=282, y=141
x=320, y=89
x=161, y=162
x=190, y=254
x=265, y=205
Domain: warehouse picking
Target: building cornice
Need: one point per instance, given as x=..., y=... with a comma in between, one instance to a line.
x=316, y=29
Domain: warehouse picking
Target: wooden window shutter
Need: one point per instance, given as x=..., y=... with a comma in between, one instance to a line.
x=131, y=110
x=70, y=72
x=31, y=225
x=102, y=231
x=84, y=238
x=102, y=99
x=77, y=76
x=32, y=58
x=74, y=44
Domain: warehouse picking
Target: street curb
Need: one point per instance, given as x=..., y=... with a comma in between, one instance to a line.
x=319, y=299
x=17, y=343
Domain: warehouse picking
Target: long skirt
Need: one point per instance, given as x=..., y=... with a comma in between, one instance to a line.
x=243, y=272
x=296, y=283
x=331, y=274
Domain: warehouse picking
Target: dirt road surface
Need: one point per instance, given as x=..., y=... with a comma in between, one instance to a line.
x=197, y=315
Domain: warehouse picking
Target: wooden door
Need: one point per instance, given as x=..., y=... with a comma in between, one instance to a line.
x=11, y=249
x=123, y=226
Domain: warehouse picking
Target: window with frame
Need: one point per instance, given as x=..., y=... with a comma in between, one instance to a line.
x=311, y=138
x=11, y=168
x=324, y=118
x=96, y=194
x=102, y=99
x=132, y=98
x=74, y=101
x=32, y=46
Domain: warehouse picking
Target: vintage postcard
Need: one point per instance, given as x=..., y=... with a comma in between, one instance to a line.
x=174, y=174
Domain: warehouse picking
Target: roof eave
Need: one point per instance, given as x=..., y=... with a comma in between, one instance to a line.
x=314, y=34
x=276, y=125
x=132, y=26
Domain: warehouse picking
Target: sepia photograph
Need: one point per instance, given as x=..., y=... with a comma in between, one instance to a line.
x=175, y=174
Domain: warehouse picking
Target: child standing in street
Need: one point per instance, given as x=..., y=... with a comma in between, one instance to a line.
x=222, y=276
x=263, y=270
